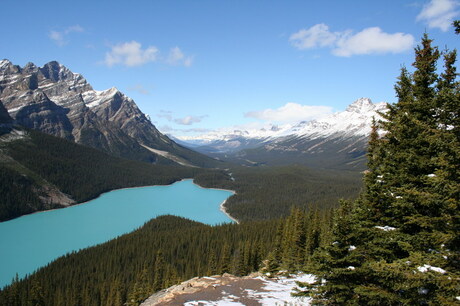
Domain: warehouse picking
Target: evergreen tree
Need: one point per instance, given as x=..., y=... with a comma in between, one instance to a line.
x=115, y=297
x=159, y=273
x=398, y=243
x=271, y=265
x=36, y=294
x=456, y=25
x=140, y=289
x=294, y=240
x=225, y=259
x=212, y=266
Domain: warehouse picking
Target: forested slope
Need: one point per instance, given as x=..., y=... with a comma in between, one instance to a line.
x=271, y=192
x=81, y=172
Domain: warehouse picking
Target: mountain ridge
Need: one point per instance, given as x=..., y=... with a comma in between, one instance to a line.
x=57, y=101
x=362, y=110
x=338, y=140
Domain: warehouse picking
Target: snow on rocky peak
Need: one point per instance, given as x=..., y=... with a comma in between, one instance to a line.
x=4, y=63
x=95, y=98
x=361, y=105
x=356, y=120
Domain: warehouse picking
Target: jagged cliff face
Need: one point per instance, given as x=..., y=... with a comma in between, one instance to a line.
x=59, y=102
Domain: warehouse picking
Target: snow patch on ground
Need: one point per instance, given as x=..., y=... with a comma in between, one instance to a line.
x=170, y=156
x=276, y=291
x=216, y=303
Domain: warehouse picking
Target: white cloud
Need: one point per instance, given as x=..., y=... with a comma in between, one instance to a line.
x=290, y=112
x=177, y=57
x=439, y=14
x=169, y=129
x=372, y=41
x=59, y=37
x=130, y=54
x=316, y=36
x=189, y=120
x=369, y=41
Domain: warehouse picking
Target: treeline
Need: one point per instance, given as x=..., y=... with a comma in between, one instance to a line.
x=79, y=171
x=165, y=251
x=270, y=192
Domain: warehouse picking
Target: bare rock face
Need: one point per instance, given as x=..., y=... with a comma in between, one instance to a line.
x=57, y=101
x=4, y=116
x=44, y=115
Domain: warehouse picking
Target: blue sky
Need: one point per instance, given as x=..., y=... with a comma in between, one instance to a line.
x=200, y=65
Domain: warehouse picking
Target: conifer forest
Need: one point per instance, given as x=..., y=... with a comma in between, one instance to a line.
x=387, y=236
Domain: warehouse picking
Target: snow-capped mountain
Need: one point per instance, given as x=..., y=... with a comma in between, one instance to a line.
x=57, y=101
x=342, y=136
x=354, y=121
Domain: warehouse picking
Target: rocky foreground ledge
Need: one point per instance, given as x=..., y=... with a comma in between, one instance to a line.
x=228, y=289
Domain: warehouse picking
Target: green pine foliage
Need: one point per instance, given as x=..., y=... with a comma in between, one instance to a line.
x=398, y=243
x=297, y=237
x=456, y=25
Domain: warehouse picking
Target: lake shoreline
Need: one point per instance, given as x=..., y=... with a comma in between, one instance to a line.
x=222, y=205
x=96, y=197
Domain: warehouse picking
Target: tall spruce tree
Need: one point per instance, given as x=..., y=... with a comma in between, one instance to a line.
x=398, y=242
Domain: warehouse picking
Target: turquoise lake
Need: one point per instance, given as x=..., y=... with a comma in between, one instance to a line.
x=32, y=241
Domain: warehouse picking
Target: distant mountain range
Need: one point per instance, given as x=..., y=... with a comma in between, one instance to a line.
x=54, y=100
x=57, y=101
x=338, y=140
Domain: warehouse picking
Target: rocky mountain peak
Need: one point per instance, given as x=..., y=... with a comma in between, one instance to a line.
x=56, y=72
x=361, y=105
x=57, y=101
x=4, y=63
x=30, y=67
x=7, y=67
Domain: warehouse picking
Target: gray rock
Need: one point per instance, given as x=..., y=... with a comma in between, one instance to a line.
x=57, y=101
